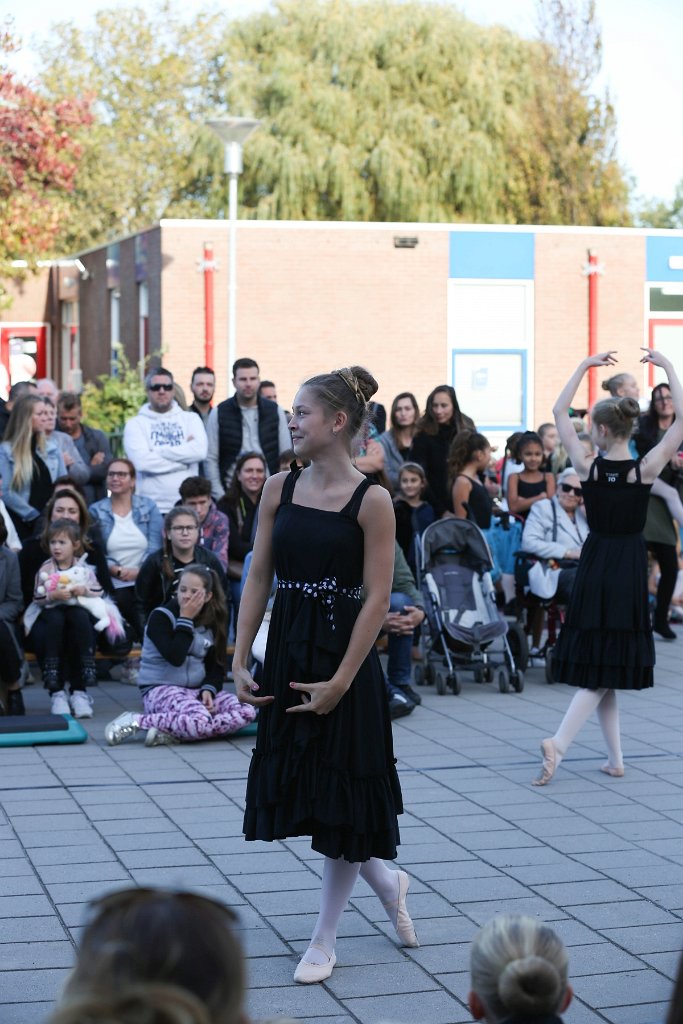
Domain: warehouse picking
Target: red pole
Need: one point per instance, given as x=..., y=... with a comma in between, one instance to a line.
x=208, y=266
x=593, y=272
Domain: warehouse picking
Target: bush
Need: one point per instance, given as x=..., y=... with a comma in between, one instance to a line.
x=111, y=401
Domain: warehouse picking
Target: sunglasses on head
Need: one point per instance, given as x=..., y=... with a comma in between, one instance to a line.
x=568, y=489
x=161, y=387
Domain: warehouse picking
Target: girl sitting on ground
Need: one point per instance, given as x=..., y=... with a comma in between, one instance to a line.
x=182, y=668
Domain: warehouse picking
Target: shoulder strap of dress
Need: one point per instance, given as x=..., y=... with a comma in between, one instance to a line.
x=352, y=507
x=593, y=469
x=636, y=469
x=288, y=486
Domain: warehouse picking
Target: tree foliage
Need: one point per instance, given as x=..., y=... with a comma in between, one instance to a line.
x=111, y=401
x=39, y=155
x=371, y=111
x=663, y=215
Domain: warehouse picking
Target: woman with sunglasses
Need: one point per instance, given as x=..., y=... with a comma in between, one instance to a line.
x=557, y=528
x=159, y=575
x=660, y=533
x=606, y=642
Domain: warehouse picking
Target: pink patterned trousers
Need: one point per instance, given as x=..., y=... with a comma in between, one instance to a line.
x=179, y=711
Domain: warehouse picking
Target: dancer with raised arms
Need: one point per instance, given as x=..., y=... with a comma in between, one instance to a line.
x=606, y=642
x=323, y=764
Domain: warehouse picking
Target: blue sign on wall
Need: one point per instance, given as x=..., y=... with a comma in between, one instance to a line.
x=659, y=252
x=493, y=255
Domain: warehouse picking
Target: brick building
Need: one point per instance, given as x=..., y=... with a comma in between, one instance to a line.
x=500, y=312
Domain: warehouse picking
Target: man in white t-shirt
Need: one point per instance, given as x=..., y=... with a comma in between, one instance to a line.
x=164, y=443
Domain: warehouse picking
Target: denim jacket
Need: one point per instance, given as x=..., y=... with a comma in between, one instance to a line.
x=17, y=500
x=146, y=517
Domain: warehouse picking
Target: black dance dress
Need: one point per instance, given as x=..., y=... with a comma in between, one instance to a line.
x=606, y=641
x=332, y=776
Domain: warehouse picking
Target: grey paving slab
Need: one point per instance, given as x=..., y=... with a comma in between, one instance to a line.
x=600, y=859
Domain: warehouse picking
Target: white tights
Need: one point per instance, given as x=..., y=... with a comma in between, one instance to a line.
x=583, y=704
x=339, y=878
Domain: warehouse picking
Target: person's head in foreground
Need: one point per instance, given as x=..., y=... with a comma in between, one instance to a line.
x=149, y=956
x=518, y=968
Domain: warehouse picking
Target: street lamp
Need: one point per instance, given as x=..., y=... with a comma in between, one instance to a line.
x=233, y=133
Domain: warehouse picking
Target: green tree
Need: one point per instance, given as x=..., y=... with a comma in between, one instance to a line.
x=111, y=401
x=155, y=78
x=371, y=111
x=658, y=214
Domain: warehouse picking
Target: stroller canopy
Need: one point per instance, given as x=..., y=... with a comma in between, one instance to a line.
x=455, y=540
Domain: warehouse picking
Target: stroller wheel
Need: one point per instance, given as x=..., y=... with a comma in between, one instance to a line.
x=479, y=674
x=441, y=684
x=427, y=675
x=488, y=673
x=418, y=675
x=503, y=680
x=519, y=645
x=517, y=680
x=454, y=682
x=549, y=673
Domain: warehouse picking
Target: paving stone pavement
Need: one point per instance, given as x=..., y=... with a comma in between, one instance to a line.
x=599, y=858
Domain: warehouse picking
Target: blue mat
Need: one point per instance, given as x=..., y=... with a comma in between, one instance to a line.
x=31, y=730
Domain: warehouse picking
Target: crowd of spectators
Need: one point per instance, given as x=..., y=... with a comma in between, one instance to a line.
x=186, y=492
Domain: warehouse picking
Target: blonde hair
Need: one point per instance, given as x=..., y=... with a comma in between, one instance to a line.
x=19, y=435
x=518, y=966
x=617, y=415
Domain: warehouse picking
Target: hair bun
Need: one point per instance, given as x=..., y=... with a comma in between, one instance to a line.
x=606, y=385
x=628, y=408
x=367, y=384
x=530, y=985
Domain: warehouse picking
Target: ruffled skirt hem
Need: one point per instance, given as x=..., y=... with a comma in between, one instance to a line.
x=605, y=659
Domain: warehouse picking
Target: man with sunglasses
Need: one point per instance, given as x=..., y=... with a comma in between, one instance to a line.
x=164, y=443
x=557, y=528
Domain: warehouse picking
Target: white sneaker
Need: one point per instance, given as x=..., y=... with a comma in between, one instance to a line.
x=156, y=738
x=121, y=728
x=59, y=704
x=81, y=704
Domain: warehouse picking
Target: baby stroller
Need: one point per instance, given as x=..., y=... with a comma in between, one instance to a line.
x=462, y=619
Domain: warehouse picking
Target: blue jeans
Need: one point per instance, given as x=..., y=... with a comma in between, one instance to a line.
x=399, y=648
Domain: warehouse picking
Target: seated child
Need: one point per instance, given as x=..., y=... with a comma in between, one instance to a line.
x=182, y=668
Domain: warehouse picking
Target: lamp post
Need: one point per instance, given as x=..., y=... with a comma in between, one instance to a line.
x=233, y=133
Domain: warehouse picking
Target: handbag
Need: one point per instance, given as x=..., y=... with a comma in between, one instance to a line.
x=543, y=579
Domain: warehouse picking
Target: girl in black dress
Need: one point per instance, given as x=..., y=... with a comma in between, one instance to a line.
x=606, y=642
x=323, y=764
x=532, y=484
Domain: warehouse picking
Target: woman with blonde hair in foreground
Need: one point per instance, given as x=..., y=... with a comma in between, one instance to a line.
x=518, y=968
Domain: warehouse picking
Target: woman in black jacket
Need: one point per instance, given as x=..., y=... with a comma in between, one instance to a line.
x=435, y=431
x=160, y=572
x=240, y=504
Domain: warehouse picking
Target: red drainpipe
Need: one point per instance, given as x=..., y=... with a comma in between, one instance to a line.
x=592, y=271
x=208, y=265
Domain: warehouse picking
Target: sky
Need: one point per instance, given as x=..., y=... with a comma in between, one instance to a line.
x=642, y=66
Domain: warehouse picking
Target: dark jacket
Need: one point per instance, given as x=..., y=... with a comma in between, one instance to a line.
x=431, y=451
x=230, y=434
x=153, y=588
x=95, y=441
x=11, y=600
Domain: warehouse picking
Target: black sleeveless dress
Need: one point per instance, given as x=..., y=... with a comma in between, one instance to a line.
x=606, y=640
x=333, y=776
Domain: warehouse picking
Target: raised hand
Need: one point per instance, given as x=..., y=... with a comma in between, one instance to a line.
x=602, y=359
x=654, y=357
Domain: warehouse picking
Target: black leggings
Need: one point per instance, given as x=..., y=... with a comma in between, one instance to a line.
x=67, y=634
x=668, y=569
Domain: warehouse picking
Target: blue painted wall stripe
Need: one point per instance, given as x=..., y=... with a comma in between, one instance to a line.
x=496, y=255
x=658, y=252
